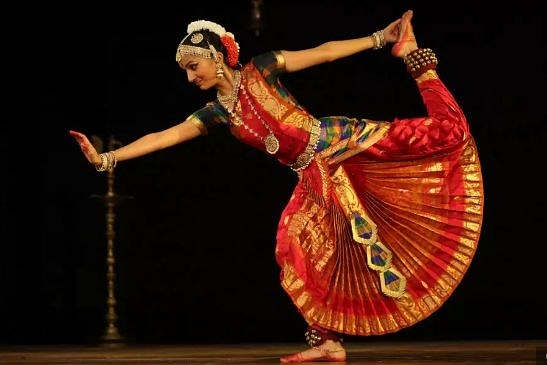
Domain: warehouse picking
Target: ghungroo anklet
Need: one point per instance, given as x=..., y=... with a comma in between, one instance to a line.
x=316, y=336
x=419, y=61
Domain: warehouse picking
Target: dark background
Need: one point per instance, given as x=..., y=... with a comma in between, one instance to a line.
x=195, y=243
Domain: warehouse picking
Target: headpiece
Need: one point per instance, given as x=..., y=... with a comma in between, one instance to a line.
x=205, y=38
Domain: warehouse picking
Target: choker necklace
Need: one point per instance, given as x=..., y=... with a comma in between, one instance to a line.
x=229, y=102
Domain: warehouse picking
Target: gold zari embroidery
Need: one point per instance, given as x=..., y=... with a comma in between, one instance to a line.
x=304, y=159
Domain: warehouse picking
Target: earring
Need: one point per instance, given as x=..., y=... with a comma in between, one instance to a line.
x=220, y=71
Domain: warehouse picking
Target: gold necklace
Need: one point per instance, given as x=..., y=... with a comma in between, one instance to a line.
x=229, y=103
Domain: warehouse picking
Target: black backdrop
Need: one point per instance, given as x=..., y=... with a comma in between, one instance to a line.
x=195, y=243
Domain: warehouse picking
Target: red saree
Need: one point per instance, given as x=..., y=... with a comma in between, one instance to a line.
x=386, y=216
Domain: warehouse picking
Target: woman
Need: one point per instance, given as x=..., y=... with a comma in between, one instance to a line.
x=385, y=217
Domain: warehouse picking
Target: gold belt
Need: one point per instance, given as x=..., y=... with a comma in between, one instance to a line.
x=304, y=159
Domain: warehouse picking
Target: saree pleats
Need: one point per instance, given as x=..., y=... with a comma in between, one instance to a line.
x=425, y=218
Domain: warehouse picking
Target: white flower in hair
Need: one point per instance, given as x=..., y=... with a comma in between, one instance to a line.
x=208, y=25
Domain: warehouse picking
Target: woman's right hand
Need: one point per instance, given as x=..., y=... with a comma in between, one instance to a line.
x=87, y=148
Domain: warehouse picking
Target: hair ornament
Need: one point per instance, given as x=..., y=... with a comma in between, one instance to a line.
x=194, y=31
x=232, y=49
x=207, y=25
x=196, y=38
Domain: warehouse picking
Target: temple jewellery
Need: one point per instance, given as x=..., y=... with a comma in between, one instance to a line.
x=229, y=102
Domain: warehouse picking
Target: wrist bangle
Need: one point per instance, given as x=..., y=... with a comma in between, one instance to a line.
x=108, y=161
x=378, y=39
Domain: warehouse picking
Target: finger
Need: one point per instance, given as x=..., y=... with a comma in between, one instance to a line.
x=79, y=136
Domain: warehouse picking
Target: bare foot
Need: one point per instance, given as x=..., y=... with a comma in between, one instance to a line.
x=407, y=41
x=329, y=351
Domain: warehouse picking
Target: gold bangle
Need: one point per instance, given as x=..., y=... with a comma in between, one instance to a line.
x=378, y=39
x=108, y=161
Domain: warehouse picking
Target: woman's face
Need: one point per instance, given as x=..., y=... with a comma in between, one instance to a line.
x=200, y=71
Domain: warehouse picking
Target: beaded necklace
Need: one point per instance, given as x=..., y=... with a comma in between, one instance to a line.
x=229, y=102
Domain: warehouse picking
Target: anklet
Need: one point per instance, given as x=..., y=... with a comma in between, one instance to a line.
x=316, y=336
x=419, y=61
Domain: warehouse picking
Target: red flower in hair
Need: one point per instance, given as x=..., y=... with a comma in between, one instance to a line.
x=232, y=49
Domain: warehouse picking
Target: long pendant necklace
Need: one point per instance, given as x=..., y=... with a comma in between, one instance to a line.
x=230, y=102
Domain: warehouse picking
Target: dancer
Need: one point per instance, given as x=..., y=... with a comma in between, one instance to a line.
x=385, y=217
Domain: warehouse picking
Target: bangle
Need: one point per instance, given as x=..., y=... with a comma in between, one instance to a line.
x=378, y=39
x=108, y=161
x=419, y=61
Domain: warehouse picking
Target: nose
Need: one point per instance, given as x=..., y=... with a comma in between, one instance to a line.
x=191, y=76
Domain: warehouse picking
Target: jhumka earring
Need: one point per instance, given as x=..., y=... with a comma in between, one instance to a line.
x=220, y=71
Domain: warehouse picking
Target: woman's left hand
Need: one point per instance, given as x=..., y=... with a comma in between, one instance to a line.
x=391, y=32
x=87, y=148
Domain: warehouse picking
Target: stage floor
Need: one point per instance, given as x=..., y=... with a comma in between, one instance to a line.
x=431, y=353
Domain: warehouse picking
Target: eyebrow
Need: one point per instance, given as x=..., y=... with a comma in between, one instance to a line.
x=189, y=62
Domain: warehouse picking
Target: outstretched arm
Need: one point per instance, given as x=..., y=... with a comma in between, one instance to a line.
x=333, y=50
x=146, y=144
